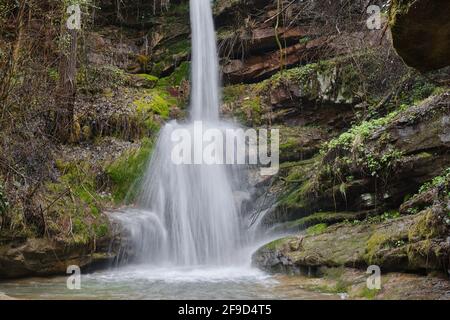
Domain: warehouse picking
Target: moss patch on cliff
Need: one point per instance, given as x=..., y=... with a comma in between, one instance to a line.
x=126, y=172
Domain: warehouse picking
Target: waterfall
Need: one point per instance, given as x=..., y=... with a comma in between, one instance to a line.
x=190, y=209
x=205, y=65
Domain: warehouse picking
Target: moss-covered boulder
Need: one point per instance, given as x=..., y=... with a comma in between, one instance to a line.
x=421, y=32
x=410, y=243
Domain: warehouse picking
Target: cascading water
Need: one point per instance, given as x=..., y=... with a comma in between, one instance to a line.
x=187, y=213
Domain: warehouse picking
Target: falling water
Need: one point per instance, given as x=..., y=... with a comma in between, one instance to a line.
x=205, y=65
x=188, y=214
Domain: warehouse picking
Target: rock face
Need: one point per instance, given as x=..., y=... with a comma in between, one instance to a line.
x=254, y=44
x=396, y=245
x=421, y=32
x=44, y=257
x=394, y=160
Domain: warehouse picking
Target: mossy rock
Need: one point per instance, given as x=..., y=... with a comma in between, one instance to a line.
x=357, y=245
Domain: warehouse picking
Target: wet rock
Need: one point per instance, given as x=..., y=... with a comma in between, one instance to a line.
x=390, y=244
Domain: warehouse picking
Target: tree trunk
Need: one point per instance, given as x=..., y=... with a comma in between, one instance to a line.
x=10, y=67
x=66, y=91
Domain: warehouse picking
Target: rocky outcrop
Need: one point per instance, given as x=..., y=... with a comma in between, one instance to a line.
x=372, y=166
x=261, y=67
x=415, y=238
x=44, y=257
x=256, y=38
x=421, y=32
x=402, y=244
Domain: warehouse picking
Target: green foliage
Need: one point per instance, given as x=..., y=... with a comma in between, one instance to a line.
x=74, y=197
x=350, y=150
x=97, y=79
x=419, y=90
x=234, y=93
x=181, y=73
x=77, y=177
x=127, y=170
x=438, y=181
x=362, y=131
x=101, y=230
x=53, y=74
x=155, y=101
x=369, y=294
x=388, y=215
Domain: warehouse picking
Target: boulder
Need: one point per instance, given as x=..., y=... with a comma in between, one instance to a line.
x=421, y=32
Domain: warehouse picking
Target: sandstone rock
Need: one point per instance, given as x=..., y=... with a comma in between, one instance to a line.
x=257, y=68
x=43, y=257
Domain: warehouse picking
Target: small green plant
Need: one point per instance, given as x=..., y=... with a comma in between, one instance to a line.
x=389, y=215
x=437, y=181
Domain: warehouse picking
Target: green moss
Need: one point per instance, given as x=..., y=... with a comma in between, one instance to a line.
x=317, y=229
x=426, y=227
x=335, y=80
x=147, y=80
x=326, y=218
x=74, y=198
x=369, y=294
x=289, y=145
x=250, y=111
x=169, y=57
x=388, y=215
x=76, y=176
x=274, y=245
x=375, y=243
x=148, y=77
x=181, y=73
x=155, y=101
x=53, y=74
x=361, y=131
x=127, y=170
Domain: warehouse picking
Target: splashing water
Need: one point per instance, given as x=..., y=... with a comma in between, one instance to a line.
x=188, y=214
